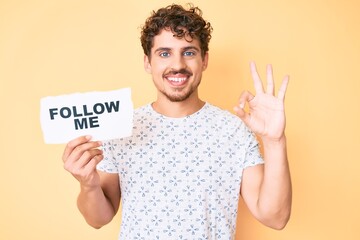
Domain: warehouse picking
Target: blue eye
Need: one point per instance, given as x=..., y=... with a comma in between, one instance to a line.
x=189, y=53
x=164, y=54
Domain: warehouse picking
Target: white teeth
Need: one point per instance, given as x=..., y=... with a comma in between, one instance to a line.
x=174, y=79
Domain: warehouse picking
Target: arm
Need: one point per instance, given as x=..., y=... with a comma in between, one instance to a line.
x=99, y=196
x=266, y=189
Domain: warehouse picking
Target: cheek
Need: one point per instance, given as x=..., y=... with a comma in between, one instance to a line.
x=159, y=68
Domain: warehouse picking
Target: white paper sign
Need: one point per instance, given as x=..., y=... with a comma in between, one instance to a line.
x=103, y=115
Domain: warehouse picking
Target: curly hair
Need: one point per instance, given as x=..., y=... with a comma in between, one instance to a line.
x=187, y=24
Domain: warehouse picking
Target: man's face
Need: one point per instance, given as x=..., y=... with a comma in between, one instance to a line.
x=176, y=66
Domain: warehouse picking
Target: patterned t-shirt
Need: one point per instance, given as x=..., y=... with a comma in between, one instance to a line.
x=180, y=177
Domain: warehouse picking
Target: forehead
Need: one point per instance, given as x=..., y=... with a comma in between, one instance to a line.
x=166, y=39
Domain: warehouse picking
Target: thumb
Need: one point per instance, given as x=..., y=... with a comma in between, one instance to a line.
x=245, y=97
x=244, y=116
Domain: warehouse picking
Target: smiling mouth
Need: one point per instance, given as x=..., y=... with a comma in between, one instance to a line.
x=177, y=79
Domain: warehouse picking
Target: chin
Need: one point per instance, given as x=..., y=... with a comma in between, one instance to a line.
x=178, y=97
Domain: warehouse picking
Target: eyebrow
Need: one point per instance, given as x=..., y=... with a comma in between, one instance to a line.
x=160, y=49
x=191, y=48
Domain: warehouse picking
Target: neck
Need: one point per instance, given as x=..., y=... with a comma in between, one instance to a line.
x=177, y=109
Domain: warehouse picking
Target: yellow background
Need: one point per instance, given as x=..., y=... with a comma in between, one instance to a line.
x=65, y=46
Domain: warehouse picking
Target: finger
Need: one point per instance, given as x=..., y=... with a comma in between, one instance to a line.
x=283, y=87
x=76, y=149
x=256, y=78
x=73, y=144
x=74, y=164
x=87, y=156
x=245, y=96
x=91, y=166
x=244, y=116
x=79, y=150
x=270, y=80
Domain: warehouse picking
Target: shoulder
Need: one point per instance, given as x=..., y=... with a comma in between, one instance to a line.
x=141, y=117
x=142, y=110
x=222, y=115
x=227, y=122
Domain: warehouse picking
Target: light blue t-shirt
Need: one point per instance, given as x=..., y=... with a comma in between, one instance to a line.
x=180, y=178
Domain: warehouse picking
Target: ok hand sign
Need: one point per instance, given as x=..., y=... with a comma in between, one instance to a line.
x=266, y=116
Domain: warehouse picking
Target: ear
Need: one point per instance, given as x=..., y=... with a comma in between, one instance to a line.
x=147, y=65
x=205, y=61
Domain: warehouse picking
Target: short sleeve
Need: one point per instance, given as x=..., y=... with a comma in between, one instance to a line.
x=109, y=164
x=252, y=153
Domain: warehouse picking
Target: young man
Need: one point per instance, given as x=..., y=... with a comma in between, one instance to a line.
x=181, y=173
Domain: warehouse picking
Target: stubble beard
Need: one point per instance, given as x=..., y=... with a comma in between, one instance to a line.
x=180, y=97
x=177, y=94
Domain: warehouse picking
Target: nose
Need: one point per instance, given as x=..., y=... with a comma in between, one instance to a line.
x=178, y=62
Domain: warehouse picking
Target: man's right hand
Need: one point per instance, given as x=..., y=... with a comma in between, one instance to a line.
x=80, y=158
